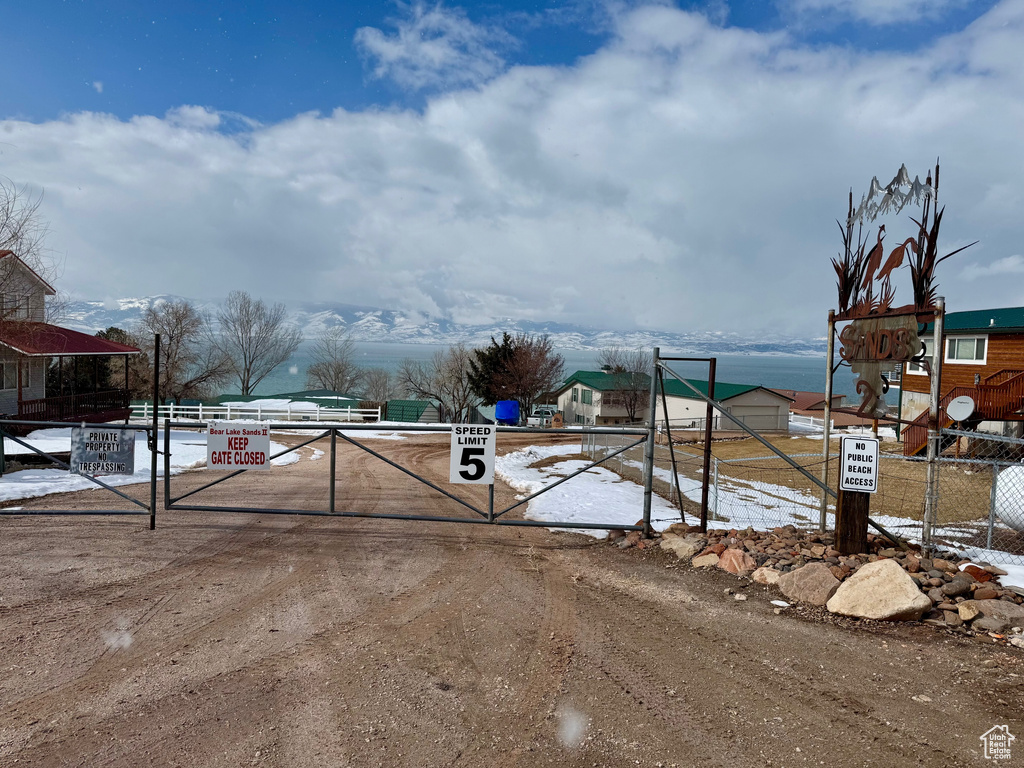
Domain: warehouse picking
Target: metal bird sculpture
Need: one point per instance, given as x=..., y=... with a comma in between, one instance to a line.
x=873, y=260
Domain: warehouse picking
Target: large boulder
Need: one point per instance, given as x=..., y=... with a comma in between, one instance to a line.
x=767, y=576
x=813, y=583
x=881, y=590
x=684, y=547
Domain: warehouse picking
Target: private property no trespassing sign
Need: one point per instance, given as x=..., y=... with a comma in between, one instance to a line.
x=858, y=464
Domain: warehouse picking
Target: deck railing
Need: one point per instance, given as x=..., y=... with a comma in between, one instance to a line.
x=73, y=407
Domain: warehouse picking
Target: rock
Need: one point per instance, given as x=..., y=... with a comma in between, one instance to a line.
x=989, y=624
x=979, y=574
x=888, y=552
x=736, y=561
x=880, y=590
x=684, y=547
x=936, y=595
x=944, y=565
x=956, y=587
x=952, y=619
x=1011, y=613
x=968, y=610
x=615, y=534
x=625, y=542
x=705, y=561
x=681, y=529
x=812, y=584
x=767, y=576
x=995, y=570
x=913, y=563
x=739, y=597
x=634, y=537
x=985, y=593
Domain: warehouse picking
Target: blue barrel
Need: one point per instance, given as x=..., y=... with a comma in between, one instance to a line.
x=506, y=412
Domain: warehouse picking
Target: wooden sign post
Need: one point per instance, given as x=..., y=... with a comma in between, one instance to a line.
x=858, y=479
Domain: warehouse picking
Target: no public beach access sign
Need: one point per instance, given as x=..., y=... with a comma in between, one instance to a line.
x=858, y=467
x=102, y=451
x=238, y=445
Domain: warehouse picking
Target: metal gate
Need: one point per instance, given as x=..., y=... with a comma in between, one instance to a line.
x=487, y=516
x=139, y=507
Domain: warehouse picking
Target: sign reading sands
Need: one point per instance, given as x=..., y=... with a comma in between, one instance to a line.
x=238, y=445
x=102, y=451
x=858, y=467
x=472, y=454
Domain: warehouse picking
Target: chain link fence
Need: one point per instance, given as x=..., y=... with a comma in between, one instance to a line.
x=981, y=495
x=980, y=490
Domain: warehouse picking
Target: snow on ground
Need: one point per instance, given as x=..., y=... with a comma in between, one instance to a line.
x=597, y=496
x=188, y=451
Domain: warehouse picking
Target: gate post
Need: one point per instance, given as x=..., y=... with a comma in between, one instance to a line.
x=931, y=492
x=156, y=425
x=649, y=457
x=334, y=464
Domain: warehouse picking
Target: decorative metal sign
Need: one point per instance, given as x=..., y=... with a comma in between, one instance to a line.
x=875, y=347
x=882, y=335
x=102, y=451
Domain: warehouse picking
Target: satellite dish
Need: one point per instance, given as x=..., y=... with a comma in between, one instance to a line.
x=960, y=408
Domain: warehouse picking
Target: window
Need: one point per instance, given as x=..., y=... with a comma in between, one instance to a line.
x=966, y=349
x=13, y=308
x=575, y=394
x=916, y=369
x=588, y=397
x=10, y=375
x=578, y=418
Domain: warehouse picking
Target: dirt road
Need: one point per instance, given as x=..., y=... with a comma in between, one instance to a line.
x=222, y=640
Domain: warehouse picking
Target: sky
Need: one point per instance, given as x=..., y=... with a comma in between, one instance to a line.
x=621, y=164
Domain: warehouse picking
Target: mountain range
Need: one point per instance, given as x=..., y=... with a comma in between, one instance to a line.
x=370, y=324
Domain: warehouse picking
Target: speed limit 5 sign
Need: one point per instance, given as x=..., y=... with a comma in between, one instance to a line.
x=472, y=453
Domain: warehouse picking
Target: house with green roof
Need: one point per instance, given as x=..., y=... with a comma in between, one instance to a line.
x=602, y=398
x=983, y=358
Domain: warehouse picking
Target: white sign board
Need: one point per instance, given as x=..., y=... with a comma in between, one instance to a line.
x=102, y=451
x=472, y=454
x=238, y=445
x=858, y=464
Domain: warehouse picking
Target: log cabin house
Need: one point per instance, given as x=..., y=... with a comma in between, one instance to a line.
x=31, y=347
x=984, y=359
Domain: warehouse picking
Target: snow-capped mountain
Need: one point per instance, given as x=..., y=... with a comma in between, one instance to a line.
x=370, y=324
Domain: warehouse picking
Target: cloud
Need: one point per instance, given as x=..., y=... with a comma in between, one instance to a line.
x=97, y=86
x=683, y=176
x=1009, y=265
x=871, y=12
x=434, y=47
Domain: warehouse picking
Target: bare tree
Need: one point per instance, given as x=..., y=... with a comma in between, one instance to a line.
x=255, y=338
x=23, y=233
x=192, y=363
x=632, y=371
x=333, y=365
x=445, y=379
x=379, y=386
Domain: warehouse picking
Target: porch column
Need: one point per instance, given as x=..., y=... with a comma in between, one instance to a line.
x=21, y=359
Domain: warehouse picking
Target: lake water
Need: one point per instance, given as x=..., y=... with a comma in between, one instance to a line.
x=806, y=373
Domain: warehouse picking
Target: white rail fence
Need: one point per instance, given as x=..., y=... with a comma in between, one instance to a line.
x=808, y=421
x=289, y=412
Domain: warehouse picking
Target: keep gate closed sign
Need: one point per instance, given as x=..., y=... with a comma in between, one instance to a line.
x=238, y=445
x=858, y=468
